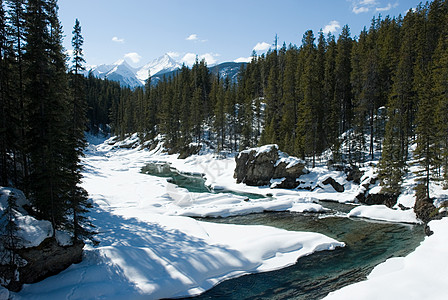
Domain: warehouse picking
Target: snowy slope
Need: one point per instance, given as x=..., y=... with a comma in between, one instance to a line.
x=148, y=251
x=162, y=64
x=122, y=72
x=119, y=71
x=165, y=65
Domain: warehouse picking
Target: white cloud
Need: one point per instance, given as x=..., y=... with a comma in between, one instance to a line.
x=210, y=58
x=388, y=7
x=192, y=37
x=190, y=58
x=363, y=6
x=358, y=10
x=243, y=59
x=333, y=26
x=133, y=56
x=263, y=46
x=117, y=40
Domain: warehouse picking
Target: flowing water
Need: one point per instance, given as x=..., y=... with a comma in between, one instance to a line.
x=368, y=243
x=193, y=182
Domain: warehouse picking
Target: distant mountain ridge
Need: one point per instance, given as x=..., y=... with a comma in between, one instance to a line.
x=122, y=72
x=165, y=65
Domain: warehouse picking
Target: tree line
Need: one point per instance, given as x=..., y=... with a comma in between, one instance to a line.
x=43, y=113
x=379, y=92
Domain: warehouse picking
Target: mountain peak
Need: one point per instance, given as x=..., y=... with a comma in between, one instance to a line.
x=165, y=63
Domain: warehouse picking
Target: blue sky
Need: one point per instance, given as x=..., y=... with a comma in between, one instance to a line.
x=217, y=30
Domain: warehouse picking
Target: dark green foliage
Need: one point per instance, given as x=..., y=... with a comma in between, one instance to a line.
x=77, y=121
x=44, y=113
x=377, y=93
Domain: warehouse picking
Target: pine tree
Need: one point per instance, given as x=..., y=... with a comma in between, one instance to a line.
x=290, y=102
x=5, y=102
x=307, y=124
x=217, y=92
x=47, y=97
x=20, y=157
x=78, y=198
x=330, y=105
x=427, y=152
x=343, y=89
x=440, y=90
x=9, y=236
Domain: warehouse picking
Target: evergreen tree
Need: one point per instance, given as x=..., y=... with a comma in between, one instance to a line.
x=78, y=199
x=20, y=157
x=9, y=237
x=427, y=152
x=290, y=102
x=47, y=94
x=5, y=100
x=440, y=90
x=330, y=105
x=343, y=89
x=307, y=124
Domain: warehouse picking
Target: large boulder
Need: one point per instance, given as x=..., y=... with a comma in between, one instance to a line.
x=189, y=150
x=336, y=185
x=47, y=259
x=425, y=209
x=383, y=198
x=258, y=166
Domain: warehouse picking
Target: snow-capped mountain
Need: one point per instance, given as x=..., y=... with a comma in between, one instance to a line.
x=119, y=71
x=122, y=72
x=162, y=64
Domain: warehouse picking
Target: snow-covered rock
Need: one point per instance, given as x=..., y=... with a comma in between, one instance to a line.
x=384, y=213
x=31, y=232
x=258, y=166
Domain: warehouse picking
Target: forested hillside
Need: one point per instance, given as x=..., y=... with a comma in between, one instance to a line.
x=383, y=90
x=43, y=114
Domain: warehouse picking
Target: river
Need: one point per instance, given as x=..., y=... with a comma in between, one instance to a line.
x=368, y=243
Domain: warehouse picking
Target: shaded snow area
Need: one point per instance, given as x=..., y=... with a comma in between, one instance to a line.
x=149, y=246
x=423, y=274
x=31, y=232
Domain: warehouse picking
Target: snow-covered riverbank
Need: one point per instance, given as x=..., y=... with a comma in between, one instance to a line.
x=147, y=250
x=151, y=248
x=423, y=274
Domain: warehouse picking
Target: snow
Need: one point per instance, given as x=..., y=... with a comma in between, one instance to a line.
x=163, y=63
x=307, y=207
x=149, y=247
x=4, y=293
x=384, y=213
x=63, y=238
x=420, y=275
x=31, y=231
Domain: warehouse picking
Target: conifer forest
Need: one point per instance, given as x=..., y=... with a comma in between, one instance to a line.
x=380, y=91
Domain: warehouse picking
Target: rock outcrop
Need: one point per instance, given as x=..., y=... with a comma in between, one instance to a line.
x=336, y=185
x=189, y=150
x=47, y=259
x=259, y=166
x=425, y=209
x=387, y=199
